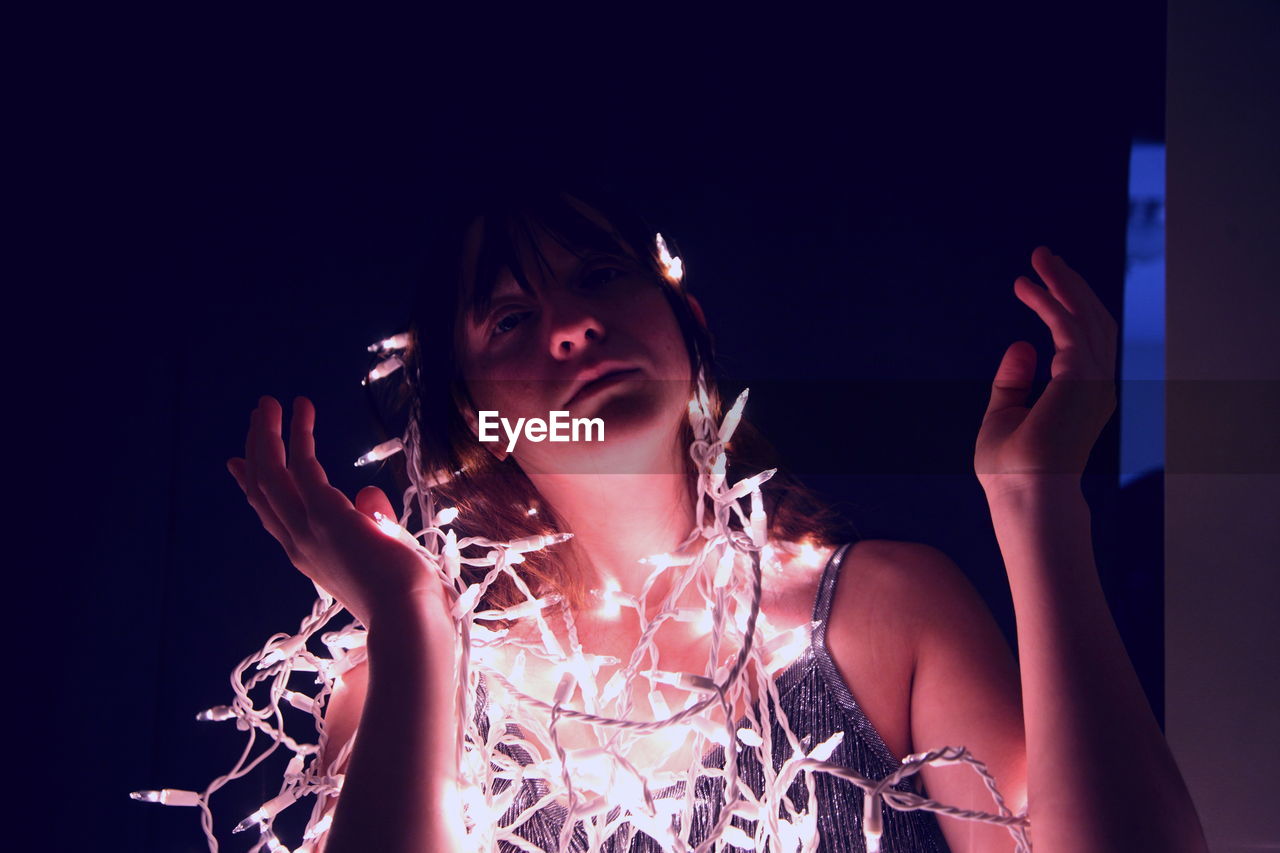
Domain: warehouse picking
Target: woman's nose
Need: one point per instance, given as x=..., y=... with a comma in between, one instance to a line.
x=574, y=326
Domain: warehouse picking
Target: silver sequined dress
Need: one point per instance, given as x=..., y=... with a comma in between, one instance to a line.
x=818, y=703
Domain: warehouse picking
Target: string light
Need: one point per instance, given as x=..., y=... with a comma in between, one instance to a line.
x=723, y=559
x=672, y=266
x=380, y=452
x=383, y=369
x=395, y=342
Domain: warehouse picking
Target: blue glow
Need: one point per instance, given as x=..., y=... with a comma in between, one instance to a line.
x=1142, y=337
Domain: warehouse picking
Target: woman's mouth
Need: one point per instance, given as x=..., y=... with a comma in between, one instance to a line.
x=600, y=383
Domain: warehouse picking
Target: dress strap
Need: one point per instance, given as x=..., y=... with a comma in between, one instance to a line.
x=827, y=588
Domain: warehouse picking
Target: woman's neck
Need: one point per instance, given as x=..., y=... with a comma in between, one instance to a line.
x=617, y=520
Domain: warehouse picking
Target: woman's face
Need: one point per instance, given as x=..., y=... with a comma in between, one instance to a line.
x=596, y=338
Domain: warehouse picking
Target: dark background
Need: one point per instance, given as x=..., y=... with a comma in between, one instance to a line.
x=238, y=206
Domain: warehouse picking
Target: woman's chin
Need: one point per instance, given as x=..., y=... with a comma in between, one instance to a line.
x=637, y=440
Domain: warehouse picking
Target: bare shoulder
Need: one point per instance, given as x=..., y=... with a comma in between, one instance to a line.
x=882, y=602
x=911, y=590
x=885, y=583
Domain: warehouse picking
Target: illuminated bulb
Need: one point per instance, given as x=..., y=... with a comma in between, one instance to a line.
x=612, y=688
x=268, y=811
x=319, y=828
x=345, y=639
x=872, y=822
x=758, y=522
x=382, y=369
x=252, y=820
x=717, y=471
x=392, y=528
x=216, y=714
x=300, y=701
x=809, y=555
x=380, y=452
x=295, y=765
x=466, y=601
x=284, y=651
x=274, y=845
x=452, y=559
x=495, y=714
x=786, y=646
x=673, y=266
x=795, y=834
x=483, y=636
x=736, y=837
x=768, y=554
x=395, y=342
x=533, y=510
x=445, y=516
x=537, y=543
x=522, y=610
x=661, y=710
x=724, y=571
x=565, y=688
x=699, y=412
x=823, y=751
x=688, y=614
x=750, y=484
x=714, y=732
x=686, y=680
x=609, y=607
x=750, y=737
x=731, y=420
x=168, y=797
x=477, y=810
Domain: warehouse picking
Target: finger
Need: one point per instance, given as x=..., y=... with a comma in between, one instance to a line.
x=260, y=506
x=1064, y=328
x=1078, y=296
x=1013, y=377
x=1065, y=290
x=371, y=499
x=273, y=478
x=1070, y=288
x=320, y=498
x=302, y=445
x=1108, y=330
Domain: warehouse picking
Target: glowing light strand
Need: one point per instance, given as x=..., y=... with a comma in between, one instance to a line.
x=575, y=776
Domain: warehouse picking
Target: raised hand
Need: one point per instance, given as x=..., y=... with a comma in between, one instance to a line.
x=1020, y=447
x=333, y=542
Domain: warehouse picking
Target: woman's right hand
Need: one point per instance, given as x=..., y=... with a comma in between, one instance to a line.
x=333, y=542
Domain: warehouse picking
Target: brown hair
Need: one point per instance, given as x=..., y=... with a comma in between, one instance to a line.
x=495, y=498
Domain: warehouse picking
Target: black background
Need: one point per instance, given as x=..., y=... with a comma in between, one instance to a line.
x=236, y=206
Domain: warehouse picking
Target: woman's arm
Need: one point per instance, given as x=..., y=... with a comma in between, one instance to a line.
x=399, y=792
x=1100, y=775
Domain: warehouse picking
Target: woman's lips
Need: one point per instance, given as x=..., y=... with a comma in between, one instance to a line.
x=600, y=383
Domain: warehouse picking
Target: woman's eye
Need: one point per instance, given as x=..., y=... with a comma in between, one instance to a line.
x=509, y=321
x=601, y=275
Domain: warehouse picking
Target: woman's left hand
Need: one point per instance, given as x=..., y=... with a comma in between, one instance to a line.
x=1021, y=448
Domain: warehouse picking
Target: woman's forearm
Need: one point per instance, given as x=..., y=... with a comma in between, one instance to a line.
x=1100, y=775
x=398, y=794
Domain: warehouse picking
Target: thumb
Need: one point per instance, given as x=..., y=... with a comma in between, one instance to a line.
x=371, y=499
x=1013, y=377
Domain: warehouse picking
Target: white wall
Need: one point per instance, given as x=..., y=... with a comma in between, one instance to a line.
x=1222, y=588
